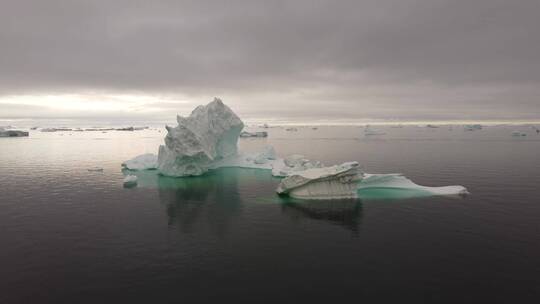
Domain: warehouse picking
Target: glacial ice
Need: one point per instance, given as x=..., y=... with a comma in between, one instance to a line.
x=95, y=169
x=130, y=180
x=293, y=163
x=335, y=182
x=12, y=133
x=264, y=159
x=147, y=161
x=210, y=133
x=396, y=181
x=518, y=133
x=347, y=181
x=254, y=134
x=368, y=131
x=208, y=138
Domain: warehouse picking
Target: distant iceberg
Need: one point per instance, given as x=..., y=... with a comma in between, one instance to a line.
x=472, y=127
x=130, y=181
x=518, y=134
x=396, y=181
x=254, y=134
x=368, y=131
x=12, y=133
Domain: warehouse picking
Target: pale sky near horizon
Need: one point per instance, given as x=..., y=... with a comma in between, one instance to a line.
x=293, y=60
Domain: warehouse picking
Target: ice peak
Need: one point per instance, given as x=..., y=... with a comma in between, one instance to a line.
x=210, y=133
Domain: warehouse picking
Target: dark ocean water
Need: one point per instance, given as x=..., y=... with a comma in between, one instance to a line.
x=68, y=235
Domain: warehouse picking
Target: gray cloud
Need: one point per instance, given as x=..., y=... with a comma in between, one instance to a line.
x=440, y=59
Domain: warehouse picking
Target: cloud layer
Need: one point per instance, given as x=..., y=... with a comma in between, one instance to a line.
x=391, y=59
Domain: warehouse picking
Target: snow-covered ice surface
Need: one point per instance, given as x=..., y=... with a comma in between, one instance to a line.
x=147, y=161
x=209, y=134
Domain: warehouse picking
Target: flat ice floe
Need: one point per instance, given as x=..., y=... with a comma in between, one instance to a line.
x=147, y=161
x=398, y=182
x=207, y=140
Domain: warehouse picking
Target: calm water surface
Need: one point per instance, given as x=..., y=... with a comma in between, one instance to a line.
x=68, y=235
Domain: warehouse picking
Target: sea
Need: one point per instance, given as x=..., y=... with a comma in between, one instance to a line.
x=71, y=234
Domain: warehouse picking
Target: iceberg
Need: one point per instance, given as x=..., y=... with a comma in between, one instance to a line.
x=125, y=129
x=208, y=139
x=518, y=134
x=147, y=161
x=472, y=127
x=12, y=133
x=347, y=181
x=368, y=131
x=293, y=163
x=95, y=169
x=254, y=134
x=55, y=129
x=396, y=181
x=335, y=182
x=130, y=181
x=209, y=134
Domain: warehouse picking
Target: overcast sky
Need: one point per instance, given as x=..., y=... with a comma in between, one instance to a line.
x=296, y=60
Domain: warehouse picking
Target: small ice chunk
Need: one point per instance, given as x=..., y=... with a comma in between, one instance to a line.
x=295, y=160
x=254, y=134
x=130, y=180
x=518, y=134
x=147, y=161
x=472, y=127
x=368, y=131
x=95, y=169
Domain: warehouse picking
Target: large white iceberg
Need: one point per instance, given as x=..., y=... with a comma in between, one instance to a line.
x=209, y=134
